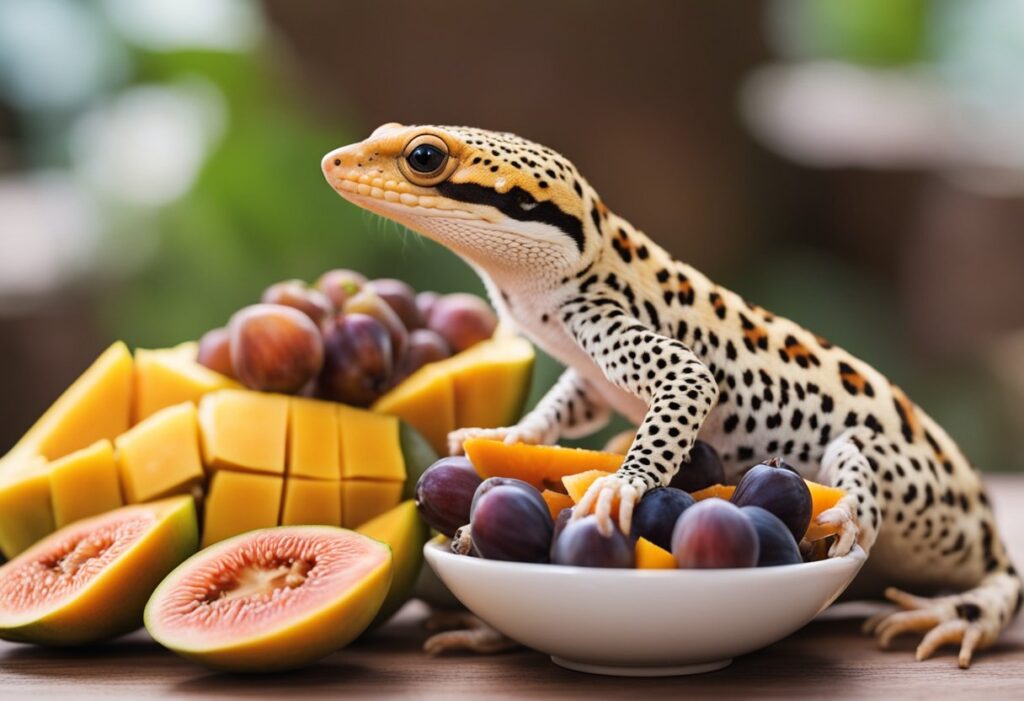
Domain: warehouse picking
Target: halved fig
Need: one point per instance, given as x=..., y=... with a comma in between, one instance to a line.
x=271, y=599
x=90, y=580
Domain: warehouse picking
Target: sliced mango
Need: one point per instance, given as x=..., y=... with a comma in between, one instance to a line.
x=243, y=430
x=406, y=533
x=426, y=399
x=26, y=513
x=492, y=381
x=721, y=491
x=361, y=500
x=543, y=466
x=313, y=445
x=577, y=485
x=311, y=503
x=653, y=557
x=97, y=405
x=556, y=501
x=238, y=502
x=160, y=456
x=370, y=448
x=823, y=498
x=170, y=376
x=85, y=483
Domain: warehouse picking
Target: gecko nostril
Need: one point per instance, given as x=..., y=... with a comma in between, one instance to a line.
x=337, y=161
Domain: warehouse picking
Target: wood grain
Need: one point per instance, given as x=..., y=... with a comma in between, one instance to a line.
x=827, y=659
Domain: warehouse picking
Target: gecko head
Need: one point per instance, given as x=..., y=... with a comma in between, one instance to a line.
x=500, y=201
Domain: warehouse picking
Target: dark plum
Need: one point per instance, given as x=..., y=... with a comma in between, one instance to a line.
x=713, y=534
x=215, y=351
x=425, y=347
x=656, y=514
x=781, y=491
x=401, y=298
x=775, y=543
x=340, y=284
x=560, y=523
x=444, y=494
x=295, y=293
x=370, y=303
x=274, y=348
x=510, y=523
x=462, y=320
x=703, y=470
x=492, y=482
x=582, y=544
x=357, y=362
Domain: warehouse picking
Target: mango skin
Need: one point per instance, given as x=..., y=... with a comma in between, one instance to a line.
x=113, y=602
x=293, y=646
x=404, y=531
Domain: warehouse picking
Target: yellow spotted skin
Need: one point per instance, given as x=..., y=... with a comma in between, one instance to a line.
x=655, y=340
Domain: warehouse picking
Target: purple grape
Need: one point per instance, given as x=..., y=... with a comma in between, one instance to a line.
x=358, y=361
x=401, y=298
x=560, y=523
x=779, y=490
x=368, y=302
x=656, y=514
x=775, y=543
x=444, y=494
x=703, y=470
x=582, y=544
x=509, y=522
x=714, y=534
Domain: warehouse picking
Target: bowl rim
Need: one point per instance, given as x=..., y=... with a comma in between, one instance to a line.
x=439, y=549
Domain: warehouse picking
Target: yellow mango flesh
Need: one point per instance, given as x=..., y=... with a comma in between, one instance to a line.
x=311, y=502
x=160, y=456
x=85, y=483
x=313, y=443
x=361, y=500
x=26, y=512
x=556, y=501
x=243, y=430
x=370, y=448
x=406, y=533
x=108, y=601
x=426, y=400
x=170, y=376
x=543, y=466
x=238, y=502
x=491, y=382
x=652, y=557
x=96, y=406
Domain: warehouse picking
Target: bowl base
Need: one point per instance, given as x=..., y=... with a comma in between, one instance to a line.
x=616, y=671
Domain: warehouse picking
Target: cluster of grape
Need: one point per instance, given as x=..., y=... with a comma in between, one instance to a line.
x=345, y=338
x=760, y=525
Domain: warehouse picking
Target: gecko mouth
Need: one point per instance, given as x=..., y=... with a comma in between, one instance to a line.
x=362, y=189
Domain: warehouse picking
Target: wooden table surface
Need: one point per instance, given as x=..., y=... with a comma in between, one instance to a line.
x=827, y=659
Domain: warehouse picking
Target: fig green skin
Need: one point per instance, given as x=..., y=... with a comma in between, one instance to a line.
x=419, y=455
x=112, y=603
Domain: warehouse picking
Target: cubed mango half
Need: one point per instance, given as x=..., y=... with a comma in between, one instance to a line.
x=85, y=483
x=170, y=376
x=237, y=502
x=243, y=430
x=370, y=446
x=311, y=503
x=314, y=450
x=26, y=512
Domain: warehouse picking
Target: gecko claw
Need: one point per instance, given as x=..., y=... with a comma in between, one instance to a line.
x=607, y=495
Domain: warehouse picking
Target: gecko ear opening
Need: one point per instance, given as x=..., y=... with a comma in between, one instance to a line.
x=426, y=161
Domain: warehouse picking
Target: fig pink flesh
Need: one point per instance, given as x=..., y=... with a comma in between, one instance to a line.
x=64, y=564
x=262, y=582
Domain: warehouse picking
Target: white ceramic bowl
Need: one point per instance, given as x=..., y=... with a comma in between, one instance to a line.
x=643, y=622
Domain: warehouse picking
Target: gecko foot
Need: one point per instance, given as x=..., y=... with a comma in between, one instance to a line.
x=606, y=494
x=944, y=620
x=522, y=433
x=842, y=519
x=463, y=632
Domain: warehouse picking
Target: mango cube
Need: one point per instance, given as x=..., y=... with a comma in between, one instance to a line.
x=160, y=456
x=370, y=448
x=652, y=557
x=426, y=399
x=97, y=405
x=311, y=503
x=362, y=500
x=238, y=502
x=244, y=430
x=491, y=381
x=85, y=483
x=313, y=448
x=26, y=514
x=170, y=376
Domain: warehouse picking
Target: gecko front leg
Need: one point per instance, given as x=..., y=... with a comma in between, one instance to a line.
x=571, y=408
x=677, y=387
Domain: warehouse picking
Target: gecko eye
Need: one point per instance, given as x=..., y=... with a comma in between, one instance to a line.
x=425, y=160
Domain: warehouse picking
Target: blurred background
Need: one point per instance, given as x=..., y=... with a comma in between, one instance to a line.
x=857, y=166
